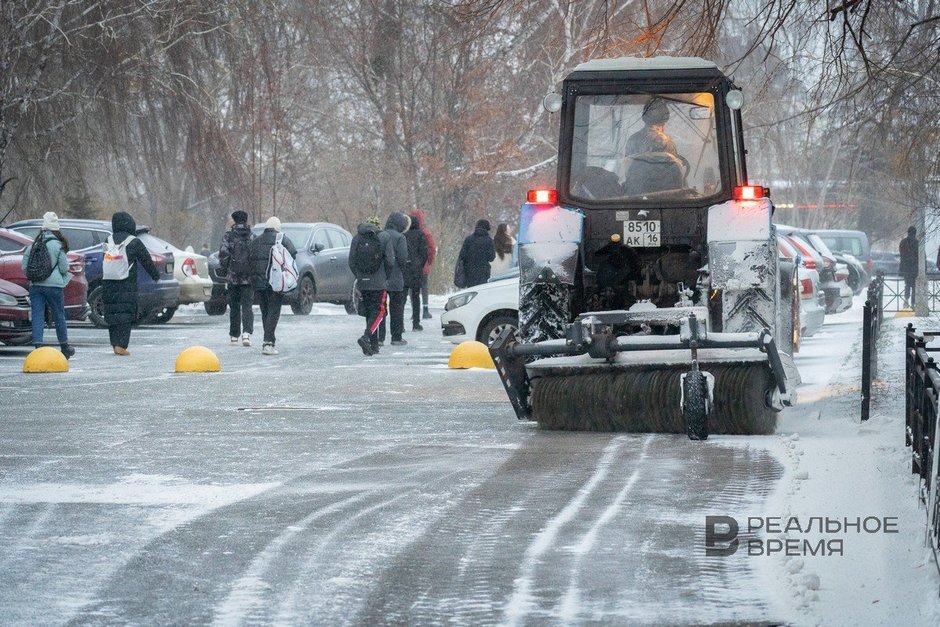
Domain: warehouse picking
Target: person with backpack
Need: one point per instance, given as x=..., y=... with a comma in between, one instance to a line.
x=262, y=252
x=396, y=226
x=473, y=262
x=371, y=259
x=414, y=272
x=122, y=254
x=234, y=263
x=418, y=216
x=46, y=266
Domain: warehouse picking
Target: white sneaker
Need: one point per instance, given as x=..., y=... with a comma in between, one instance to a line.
x=268, y=349
x=246, y=339
x=234, y=340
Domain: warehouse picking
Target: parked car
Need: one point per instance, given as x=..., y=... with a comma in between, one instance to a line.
x=483, y=311
x=857, y=273
x=88, y=237
x=12, y=246
x=322, y=265
x=190, y=270
x=812, y=299
x=15, y=326
x=854, y=243
x=887, y=262
x=838, y=293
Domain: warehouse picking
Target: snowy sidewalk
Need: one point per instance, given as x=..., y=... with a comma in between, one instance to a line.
x=839, y=468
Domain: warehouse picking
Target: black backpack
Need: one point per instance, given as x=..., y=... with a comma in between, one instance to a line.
x=239, y=264
x=39, y=264
x=367, y=253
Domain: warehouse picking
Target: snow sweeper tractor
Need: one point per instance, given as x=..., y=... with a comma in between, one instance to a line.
x=651, y=294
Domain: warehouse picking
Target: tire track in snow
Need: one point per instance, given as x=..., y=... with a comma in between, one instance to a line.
x=520, y=602
x=571, y=604
x=247, y=594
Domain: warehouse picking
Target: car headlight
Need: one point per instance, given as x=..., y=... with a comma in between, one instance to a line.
x=459, y=300
x=6, y=299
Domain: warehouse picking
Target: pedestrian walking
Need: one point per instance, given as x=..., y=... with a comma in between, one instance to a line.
x=372, y=260
x=123, y=253
x=503, y=243
x=476, y=253
x=414, y=272
x=418, y=215
x=908, y=267
x=259, y=254
x=396, y=226
x=235, y=264
x=48, y=274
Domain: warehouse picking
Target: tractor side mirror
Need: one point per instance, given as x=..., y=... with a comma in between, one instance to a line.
x=734, y=99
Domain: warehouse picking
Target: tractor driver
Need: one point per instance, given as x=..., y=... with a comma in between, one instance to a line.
x=654, y=162
x=652, y=137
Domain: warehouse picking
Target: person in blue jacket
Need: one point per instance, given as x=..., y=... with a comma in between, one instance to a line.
x=50, y=291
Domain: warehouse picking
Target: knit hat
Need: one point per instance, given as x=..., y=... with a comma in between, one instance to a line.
x=273, y=223
x=239, y=217
x=50, y=221
x=374, y=221
x=483, y=224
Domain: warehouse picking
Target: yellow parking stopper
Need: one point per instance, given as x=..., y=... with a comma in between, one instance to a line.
x=45, y=359
x=470, y=354
x=904, y=313
x=197, y=359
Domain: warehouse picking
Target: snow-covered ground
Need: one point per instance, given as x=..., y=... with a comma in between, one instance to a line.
x=840, y=468
x=322, y=487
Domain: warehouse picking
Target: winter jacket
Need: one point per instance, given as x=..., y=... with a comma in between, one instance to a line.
x=908, y=249
x=476, y=254
x=418, y=215
x=395, y=226
x=120, y=297
x=239, y=235
x=60, y=261
x=417, y=255
x=378, y=280
x=259, y=255
x=500, y=265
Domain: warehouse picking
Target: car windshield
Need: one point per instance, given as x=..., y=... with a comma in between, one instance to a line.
x=297, y=234
x=850, y=245
x=640, y=147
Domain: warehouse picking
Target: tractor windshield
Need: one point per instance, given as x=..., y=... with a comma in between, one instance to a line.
x=644, y=147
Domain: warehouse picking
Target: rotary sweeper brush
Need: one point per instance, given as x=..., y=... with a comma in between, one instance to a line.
x=651, y=293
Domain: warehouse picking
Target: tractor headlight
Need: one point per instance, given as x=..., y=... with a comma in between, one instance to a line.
x=459, y=300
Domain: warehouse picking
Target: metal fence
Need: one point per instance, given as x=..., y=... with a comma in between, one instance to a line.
x=922, y=391
x=871, y=329
x=893, y=294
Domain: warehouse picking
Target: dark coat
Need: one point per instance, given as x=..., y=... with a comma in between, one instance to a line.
x=378, y=280
x=237, y=232
x=476, y=254
x=417, y=255
x=120, y=297
x=395, y=227
x=908, y=249
x=259, y=254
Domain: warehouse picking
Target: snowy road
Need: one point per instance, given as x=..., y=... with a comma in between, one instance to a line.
x=321, y=487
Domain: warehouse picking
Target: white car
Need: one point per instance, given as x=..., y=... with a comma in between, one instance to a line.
x=482, y=312
x=191, y=270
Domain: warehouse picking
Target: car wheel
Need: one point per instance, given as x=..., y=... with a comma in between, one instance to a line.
x=215, y=308
x=163, y=316
x=352, y=305
x=306, y=294
x=494, y=327
x=96, y=307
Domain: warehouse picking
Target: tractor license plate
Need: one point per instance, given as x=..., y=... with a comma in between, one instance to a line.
x=641, y=233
